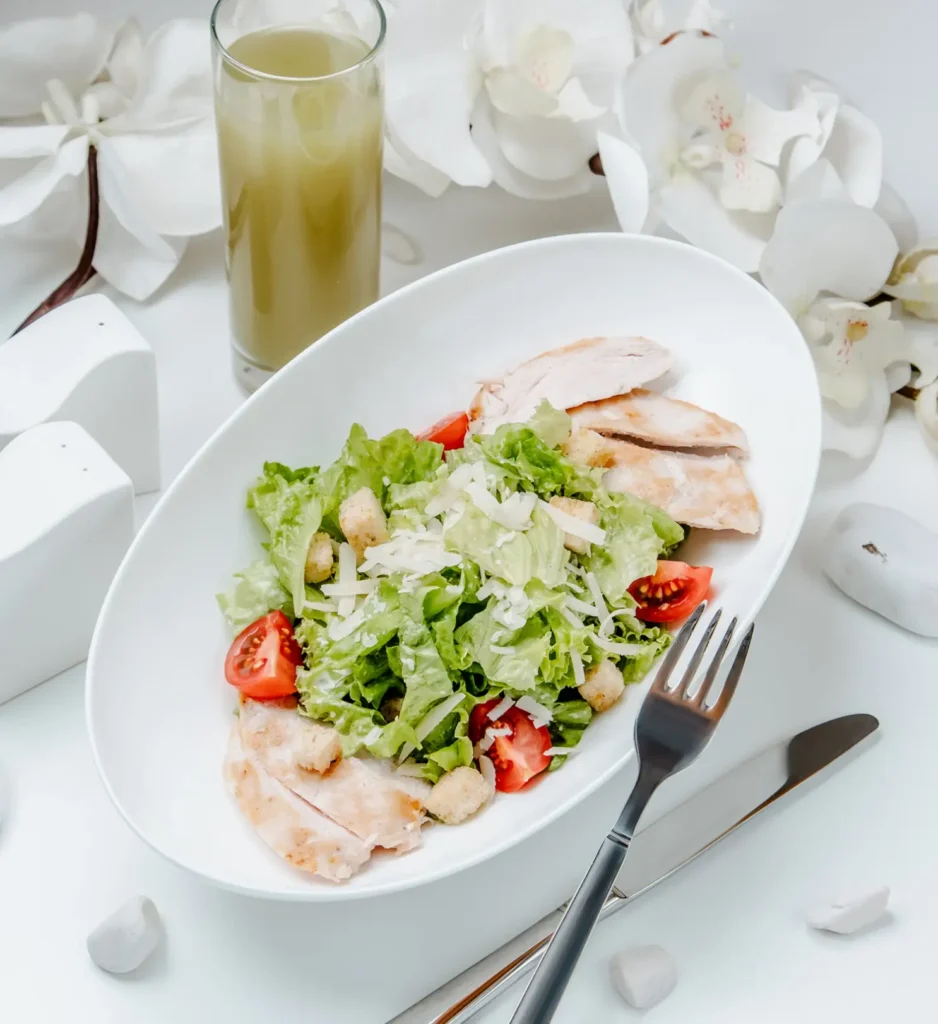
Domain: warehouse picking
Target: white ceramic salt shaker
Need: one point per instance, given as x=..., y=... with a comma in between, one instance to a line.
x=87, y=363
x=886, y=561
x=124, y=940
x=66, y=519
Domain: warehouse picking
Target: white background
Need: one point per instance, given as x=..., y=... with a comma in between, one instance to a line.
x=735, y=920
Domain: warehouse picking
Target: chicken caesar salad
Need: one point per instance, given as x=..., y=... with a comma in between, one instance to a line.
x=439, y=617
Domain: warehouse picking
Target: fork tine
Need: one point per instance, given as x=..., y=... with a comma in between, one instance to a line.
x=736, y=670
x=714, y=667
x=690, y=673
x=677, y=648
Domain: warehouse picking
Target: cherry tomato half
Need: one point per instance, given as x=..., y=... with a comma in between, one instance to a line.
x=518, y=756
x=449, y=431
x=263, y=659
x=672, y=593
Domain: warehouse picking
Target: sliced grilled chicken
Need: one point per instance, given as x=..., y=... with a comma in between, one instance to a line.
x=587, y=370
x=292, y=828
x=709, y=491
x=286, y=736
x=660, y=420
x=353, y=792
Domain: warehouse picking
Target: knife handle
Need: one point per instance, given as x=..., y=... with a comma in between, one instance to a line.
x=460, y=999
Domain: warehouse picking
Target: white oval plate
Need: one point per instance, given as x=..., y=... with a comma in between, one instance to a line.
x=158, y=707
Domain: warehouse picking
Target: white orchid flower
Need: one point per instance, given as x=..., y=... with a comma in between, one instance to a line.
x=710, y=152
x=861, y=356
x=145, y=108
x=848, y=140
x=926, y=413
x=914, y=281
x=514, y=92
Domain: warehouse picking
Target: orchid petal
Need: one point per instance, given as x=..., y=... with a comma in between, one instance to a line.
x=898, y=375
x=25, y=194
x=31, y=140
x=545, y=57
x=513, y=94
x=399, y=161
x=826, y=245
x=574, y=104
x=857, y=432
x=127, y=58
x=691, y=209
x=926, y=413
x=599, y=29
x=175, y=83
x=855, y=148
x=514, y=181
x=543, y=148
x=431, y=87
x=171, y=178
x=130, y=254
x=652, y=93
x=749, y=185
x=627, y=178
x=922, y=352
x=768, y=130
x=808, y=148
x=892, y=208
x=819, y=181
x=73, y=49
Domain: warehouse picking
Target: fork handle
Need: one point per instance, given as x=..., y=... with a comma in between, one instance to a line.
x=546, y=988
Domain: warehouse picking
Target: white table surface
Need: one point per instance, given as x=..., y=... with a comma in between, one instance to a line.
x=734, y=920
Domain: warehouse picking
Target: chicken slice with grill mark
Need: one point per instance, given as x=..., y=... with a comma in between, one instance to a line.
x=300, y=834
x=584, y=371
x=659, y=420
x=353, y=792
x=708, y=491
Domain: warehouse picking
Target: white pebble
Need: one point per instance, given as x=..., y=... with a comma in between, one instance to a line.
x=124, y=940
x=849, y=916
x=886, y=561
x=643, y=975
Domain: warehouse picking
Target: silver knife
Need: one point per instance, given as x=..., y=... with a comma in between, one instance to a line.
x=657, y=852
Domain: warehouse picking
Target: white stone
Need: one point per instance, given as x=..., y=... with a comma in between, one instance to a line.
x=850, y=915
x=87, y=363
x=66, y=520
x=886, y=561
x=643, y=975
x=124, y=940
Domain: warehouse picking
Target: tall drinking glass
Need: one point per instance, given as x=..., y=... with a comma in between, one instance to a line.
x=299, y=105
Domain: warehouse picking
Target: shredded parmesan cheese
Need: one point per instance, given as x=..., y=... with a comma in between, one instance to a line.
x=624, y=650
x=436, y=714
x=500, y=708
x=357, y=589
x=583, y=607
x=537, y=712
x=340, y=628
x=320, y=606
x=596, y=593
x=579, y=675
x=488, y=773
x=605, y=626
x=561, y=751
x=348, y=573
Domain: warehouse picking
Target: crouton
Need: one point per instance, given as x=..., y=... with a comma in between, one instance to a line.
x=584, y=510
x=603, y=686
x=319, y=558
x=363, y=521
x=458, y=795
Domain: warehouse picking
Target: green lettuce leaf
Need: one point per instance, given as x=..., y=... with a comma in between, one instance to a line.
x=425, y=677
x=551, y=425
x=255, y=591
x=286, y=503
x=630, y=551
x=517, y=558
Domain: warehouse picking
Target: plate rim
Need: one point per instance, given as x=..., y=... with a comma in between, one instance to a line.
x=325, y=892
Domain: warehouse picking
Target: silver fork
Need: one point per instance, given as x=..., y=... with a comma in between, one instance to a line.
x=674, y=724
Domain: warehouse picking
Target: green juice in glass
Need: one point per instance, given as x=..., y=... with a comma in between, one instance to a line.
x=301, y=185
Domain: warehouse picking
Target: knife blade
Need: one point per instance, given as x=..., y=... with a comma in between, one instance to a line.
x=658, y=851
